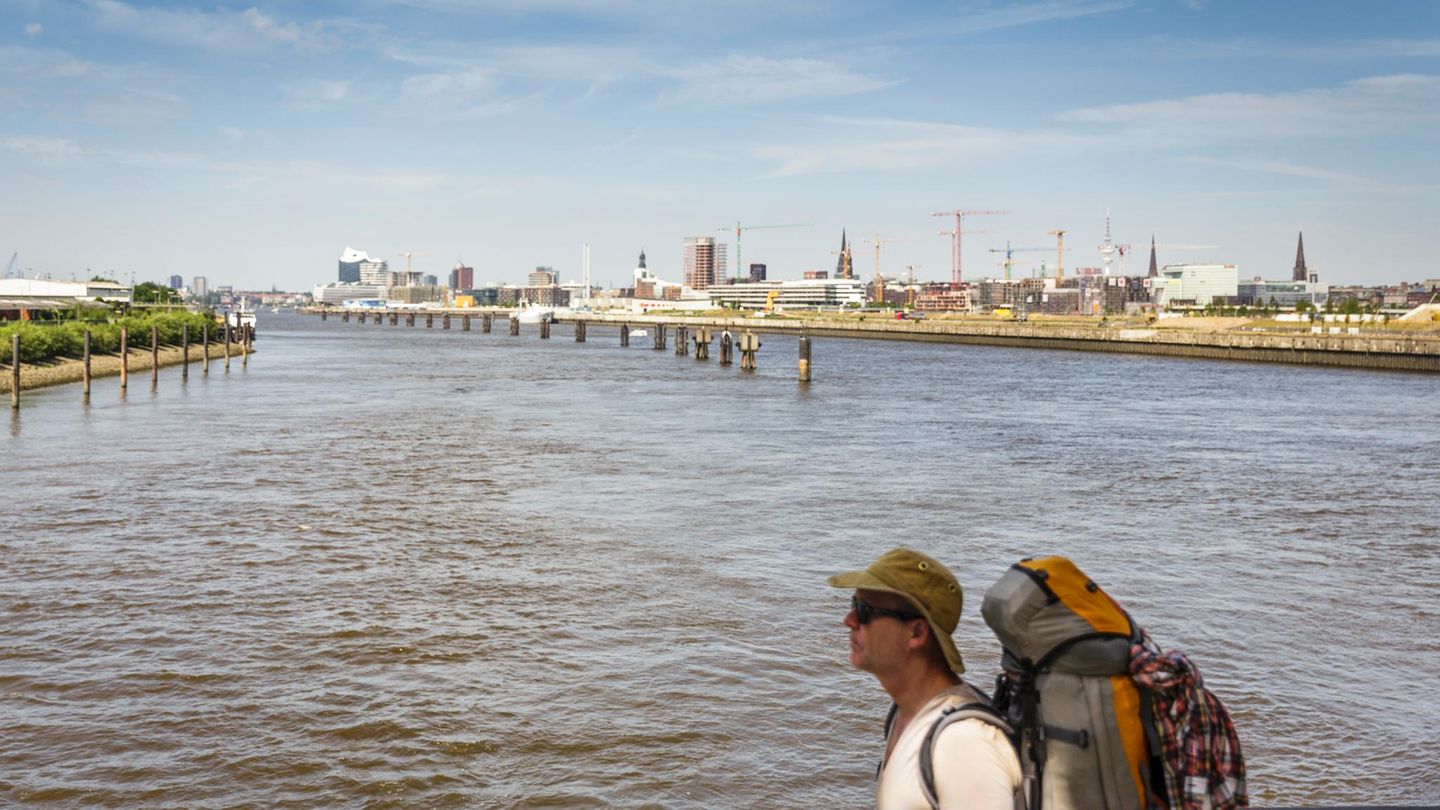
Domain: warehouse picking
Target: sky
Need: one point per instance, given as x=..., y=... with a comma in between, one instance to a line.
x=252, y=142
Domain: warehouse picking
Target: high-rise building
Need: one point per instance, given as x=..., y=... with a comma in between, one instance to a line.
x=462, y=278
x=542, y=277
x=704, y=261
x=176, y=282
x=757, y=272
x=430, y=280
x=358, y=266
x=200, y=287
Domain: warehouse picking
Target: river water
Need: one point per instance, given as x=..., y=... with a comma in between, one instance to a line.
x=403, y=566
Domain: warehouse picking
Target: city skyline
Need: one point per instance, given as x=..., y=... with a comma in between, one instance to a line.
x=249, y=143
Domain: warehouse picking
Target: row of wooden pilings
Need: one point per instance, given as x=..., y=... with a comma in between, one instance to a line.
x=748, y=343
x=243, y=335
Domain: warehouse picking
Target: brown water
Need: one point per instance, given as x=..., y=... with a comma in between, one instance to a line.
x=408, y=566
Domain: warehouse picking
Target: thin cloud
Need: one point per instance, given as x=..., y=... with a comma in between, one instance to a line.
x=1281, y=167
x=879, y=144
x=33, y=30
x=747, y=79
x=221, y=29
x=45, y=150
x=1397, y=103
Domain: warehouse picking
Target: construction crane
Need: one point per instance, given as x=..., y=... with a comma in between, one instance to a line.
x=10, y=267
x=1059, y=235
x=956, y=259
x=1011, y=251
x=910, y=288
x=409, y=258
x=879, y=279
x=740, y=230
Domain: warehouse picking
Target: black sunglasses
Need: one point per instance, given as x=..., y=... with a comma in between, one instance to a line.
x=864, y=612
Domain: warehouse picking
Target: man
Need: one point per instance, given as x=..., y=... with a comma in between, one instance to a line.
x=904, y=609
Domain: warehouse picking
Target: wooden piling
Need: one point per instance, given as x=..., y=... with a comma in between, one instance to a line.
x=544, y=328
x=344, y=318
x=682, y=340
x=445, y=321
x=804, y=359
x=658, y=338
x=154, y=356
x=184, y=352
x=205, y=347
x=727, y=348
x=14, y=371
x=324, y=314
x=485, y=322
x=227, y=340
x=249, y=333
x=579, y=331
x=465, y=323
x=624, y=334
x=429, y=320
x=409, y=319
x=702, y=343
x=124, y=357
x=394, y=319
x=85, y=374
x=361, y=316
x=514, y=325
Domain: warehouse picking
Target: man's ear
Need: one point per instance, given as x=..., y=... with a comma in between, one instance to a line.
x=919, y=635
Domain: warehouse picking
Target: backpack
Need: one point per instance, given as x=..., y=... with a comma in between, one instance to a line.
x=1102, y=719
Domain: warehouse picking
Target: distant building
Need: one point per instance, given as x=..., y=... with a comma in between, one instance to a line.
x=356, y=266
x=1200, y=283
x=704, y=261
x=1300, y=272
x=462, y=277
x=542, y=277
x=757, y=272
x=200, y=287
x=800, y=294
x=1283, y=294
x=430, y=280
x=844, y=264
x=176, y=282
x=818, y=274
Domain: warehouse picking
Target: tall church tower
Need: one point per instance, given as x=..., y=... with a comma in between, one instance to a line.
x=1301, y=273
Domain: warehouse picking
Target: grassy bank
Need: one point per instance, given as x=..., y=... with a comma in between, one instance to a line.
x=62, y=371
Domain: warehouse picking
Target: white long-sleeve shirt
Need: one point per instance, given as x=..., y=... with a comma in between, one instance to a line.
x=975, y=765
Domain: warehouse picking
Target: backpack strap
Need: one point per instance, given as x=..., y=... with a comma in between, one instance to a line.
x=954, y=714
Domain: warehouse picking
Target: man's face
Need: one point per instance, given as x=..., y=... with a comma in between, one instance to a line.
x=880, y=644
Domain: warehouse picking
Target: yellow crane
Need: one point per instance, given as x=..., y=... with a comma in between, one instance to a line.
x=1059, y=235
x=1009, y=252
x=409, y=259
x=879, y=279
x=910, y=288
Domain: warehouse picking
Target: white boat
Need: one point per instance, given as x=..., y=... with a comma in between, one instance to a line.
x=639, y=333
x=538, y=314
x=240, y=317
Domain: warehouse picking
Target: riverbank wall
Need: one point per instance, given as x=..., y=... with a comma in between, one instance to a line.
x=67, y=370
x=1344, y=351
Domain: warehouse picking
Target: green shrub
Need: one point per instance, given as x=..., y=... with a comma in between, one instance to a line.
x=46, y=341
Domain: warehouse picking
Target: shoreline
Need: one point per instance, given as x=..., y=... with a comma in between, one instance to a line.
x=65, y=371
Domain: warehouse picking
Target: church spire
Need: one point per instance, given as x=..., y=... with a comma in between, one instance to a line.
x=1154, y=269
x=642, y=257
x=1301, y=273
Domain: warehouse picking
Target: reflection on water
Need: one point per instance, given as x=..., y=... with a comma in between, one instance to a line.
x=429, y=566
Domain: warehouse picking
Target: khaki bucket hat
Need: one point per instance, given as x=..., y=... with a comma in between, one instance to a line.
x=923, y=582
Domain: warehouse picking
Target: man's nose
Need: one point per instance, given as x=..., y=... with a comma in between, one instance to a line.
x=851, y=621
